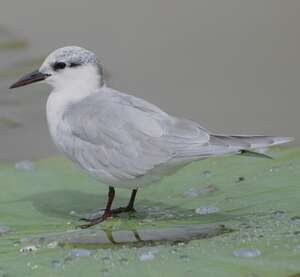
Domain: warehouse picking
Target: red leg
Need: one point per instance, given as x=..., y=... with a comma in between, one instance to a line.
x=129, y=207
x=107, y=211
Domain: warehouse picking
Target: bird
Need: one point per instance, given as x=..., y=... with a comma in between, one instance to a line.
x=122, y=140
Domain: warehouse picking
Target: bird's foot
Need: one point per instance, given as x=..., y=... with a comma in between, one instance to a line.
x=95, y=221
x=123, y=210
x=106, y=215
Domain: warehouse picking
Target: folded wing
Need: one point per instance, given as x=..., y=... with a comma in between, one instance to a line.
x=125, y=137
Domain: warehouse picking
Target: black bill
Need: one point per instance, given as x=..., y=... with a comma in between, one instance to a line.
x=30, y=78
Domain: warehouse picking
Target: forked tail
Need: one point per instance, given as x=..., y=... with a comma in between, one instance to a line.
x=248, y=144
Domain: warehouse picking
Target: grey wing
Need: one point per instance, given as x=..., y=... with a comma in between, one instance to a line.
x=125, y=137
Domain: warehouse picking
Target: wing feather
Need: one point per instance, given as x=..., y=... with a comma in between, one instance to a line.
x=127, y=137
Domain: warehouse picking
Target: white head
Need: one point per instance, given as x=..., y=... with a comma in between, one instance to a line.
x=67, y=68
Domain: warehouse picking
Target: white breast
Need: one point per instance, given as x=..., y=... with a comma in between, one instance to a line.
x=56, y=106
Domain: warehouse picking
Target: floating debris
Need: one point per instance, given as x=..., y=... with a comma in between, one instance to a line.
x=207, y=210
x=3, y=230
x=29, y=248
x=240, y=179
x=25, y=165
x=247, y=253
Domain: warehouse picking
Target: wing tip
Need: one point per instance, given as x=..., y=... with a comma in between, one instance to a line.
x=282, y=140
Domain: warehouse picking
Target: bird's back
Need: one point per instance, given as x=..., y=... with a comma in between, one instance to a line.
x=127, y=141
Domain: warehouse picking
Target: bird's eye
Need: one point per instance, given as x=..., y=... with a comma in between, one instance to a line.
x=59, y=65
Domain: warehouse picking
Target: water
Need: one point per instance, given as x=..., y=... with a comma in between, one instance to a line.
x=80, y=240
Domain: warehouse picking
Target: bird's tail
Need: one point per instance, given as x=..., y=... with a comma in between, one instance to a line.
x=249, y=144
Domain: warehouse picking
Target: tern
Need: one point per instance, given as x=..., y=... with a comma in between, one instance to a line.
x=121, y=139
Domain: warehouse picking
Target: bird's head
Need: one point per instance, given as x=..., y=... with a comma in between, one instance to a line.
x=66, y=68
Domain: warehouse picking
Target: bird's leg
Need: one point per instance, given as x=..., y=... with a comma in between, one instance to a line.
x=129, y=207
x=107, y=211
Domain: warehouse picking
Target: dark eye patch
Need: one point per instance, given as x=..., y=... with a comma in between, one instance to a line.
x=59, y=65
x=74, y=64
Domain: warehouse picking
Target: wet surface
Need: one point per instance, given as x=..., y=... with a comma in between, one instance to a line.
x=93, y=239
x=42, y=208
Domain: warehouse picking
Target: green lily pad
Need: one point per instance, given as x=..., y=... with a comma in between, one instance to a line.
x=247, y=209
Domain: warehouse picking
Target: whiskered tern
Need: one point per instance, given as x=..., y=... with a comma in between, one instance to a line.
x=123, y=140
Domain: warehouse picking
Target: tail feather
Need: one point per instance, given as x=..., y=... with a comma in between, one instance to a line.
x=252, y=142
x=263, y=141
x=246, y=144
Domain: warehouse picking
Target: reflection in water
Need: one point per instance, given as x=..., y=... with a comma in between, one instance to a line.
x=108, y=238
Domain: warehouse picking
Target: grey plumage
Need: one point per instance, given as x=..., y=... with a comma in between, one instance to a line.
x=134, y=142
x=123, y=140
